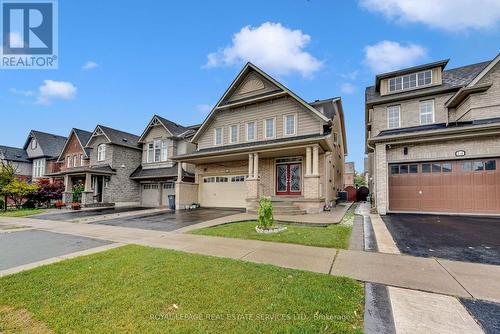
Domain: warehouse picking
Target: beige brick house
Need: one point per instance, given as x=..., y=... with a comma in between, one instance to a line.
x=433, y=139
x=261, y=139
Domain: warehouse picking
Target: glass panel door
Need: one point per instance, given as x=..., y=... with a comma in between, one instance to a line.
x=295, y=178
x=281, y=179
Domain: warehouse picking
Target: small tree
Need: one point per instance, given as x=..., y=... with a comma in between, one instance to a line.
x=7, y=175
x=19, y=190
x=47, y=191
x=77, y=193
x=359, y=181
x=266, y=217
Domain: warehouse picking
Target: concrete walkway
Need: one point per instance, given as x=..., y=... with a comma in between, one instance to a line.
x=426, y=274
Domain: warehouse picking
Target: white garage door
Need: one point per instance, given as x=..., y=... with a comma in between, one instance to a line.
x=228, y=191
x=150, y=195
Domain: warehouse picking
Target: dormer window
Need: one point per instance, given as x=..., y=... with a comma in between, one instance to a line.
x=409, y=81
x=101, y=152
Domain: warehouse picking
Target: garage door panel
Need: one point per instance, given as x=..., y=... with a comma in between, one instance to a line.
x=225, y=191
x=466, y=186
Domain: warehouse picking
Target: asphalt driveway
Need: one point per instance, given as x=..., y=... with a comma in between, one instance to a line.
x=461, y=238
x=78, y=214
x=23, y=247
x=170, y=221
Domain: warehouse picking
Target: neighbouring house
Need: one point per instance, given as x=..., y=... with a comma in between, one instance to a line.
x=108, y=156
x=261, y=139
x=19, y=160
x=433, y=139
x=43, y=151
x=349, y=174
x=74, y=159
x=158, y=173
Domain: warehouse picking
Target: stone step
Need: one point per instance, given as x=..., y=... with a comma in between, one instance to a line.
x=294, y=212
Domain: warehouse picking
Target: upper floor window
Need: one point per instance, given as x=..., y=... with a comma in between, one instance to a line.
x=34, y=144
x=81, y=159
x=157, y=151
x=233, y=133
x=75, y=160
x=38, y=168
x=427, y=112
x=411, y=80
x=101, y=152
x=250, y=131
x=269, y=128
x=68, y=161
x=218, y=136
x=290, y=125
x=393, y=117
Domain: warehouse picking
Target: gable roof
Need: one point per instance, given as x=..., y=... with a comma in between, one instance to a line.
x=176, y=130
x=452, y=79
x=50, y=144
x=14, y=154
x=83, y=137
x=115, y=137
x=246, y=69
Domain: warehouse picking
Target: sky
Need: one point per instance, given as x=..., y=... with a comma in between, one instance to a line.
x=121, y=61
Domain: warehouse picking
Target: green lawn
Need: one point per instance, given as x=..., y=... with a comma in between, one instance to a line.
x=20, y=212
x=336, y=236
x=147, y=290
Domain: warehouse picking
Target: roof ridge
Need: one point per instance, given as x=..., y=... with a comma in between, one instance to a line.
x=463, y=66
x=48, y=133
x=107, y=127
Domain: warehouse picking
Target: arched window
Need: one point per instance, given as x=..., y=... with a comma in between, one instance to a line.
x=101, y=152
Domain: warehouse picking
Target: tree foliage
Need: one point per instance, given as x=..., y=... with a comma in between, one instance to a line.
x=266, y=217
x=46, y=192
x=359, y=181
x=18, y=190
x=7, y=175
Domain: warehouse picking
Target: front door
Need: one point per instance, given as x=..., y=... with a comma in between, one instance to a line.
x=289, y=179
x=99, y=188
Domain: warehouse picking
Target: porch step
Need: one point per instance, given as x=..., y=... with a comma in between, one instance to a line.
x=296, y=212
x=280, y=208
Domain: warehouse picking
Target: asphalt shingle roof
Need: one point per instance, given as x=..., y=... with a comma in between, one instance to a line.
x=155, y=173
x=83, y=137
x=120, y=137
x=50, y=144
x=452, y=78
x=176, y=129
x=14, y=154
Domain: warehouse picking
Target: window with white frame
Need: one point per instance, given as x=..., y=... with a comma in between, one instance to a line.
x=251, y=131
x=233, y=133
x=75, y=160
x=269, y=128
x=409, y=81
x=218, y=136
x=150, y=152
x=157, y=146
x=68, y=161
x=101, y=152
x=427, y=112
x=393, y=117
x=164, y=150
x=157, y=151
x=290, y=124
x=81, y=159
x=38, y=168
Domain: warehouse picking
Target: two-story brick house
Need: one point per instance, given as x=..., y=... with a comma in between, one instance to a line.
x=261, y=139
x=433, y=139
x=43, y=151
x=157, y=173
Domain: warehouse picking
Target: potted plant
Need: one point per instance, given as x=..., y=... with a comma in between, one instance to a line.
x=59, y=204
x=75, y=206
x=77, y=196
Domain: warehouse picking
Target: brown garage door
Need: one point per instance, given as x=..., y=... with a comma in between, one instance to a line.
x=465, y=186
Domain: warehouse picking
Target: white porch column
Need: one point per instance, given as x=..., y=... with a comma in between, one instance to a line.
x=68, y=186
x=308, y=161
x=256, y=165
x=315, y=161
x=88, y=182
x=250, y=165
x=179, y=172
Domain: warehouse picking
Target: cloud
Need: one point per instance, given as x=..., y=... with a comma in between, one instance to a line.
x=51, y=90
x=89, y=65
x=351, y=75
x=450, y=15
x=271, y=46
x=204, y=108
x=26, y=93
x=387, y=56
x=347, y=88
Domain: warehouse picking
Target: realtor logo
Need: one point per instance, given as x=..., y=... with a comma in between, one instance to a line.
x=29, y=34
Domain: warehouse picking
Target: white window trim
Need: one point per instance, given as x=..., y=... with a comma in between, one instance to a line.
x=68, y=161
x=231, y=133
x=148, y=158
x=101, y=152
x=294, y=125
x=402, y=82
x=433, y=111
x=81, y=160
x=75, y=160
x=34, y=144
x=221, y=136
x=399, y=116
x=254, y=130
x=264, y=125
x=164, y=150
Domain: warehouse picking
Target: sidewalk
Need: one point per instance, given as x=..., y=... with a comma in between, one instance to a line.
x=426, y=274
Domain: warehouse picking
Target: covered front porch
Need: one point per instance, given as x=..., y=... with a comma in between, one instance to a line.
x=94, y=182
x=296, y=177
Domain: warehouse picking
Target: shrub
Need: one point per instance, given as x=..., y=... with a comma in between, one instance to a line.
x=77, y=192
x=266, y=218
x=18, y=191
x=47, y=192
